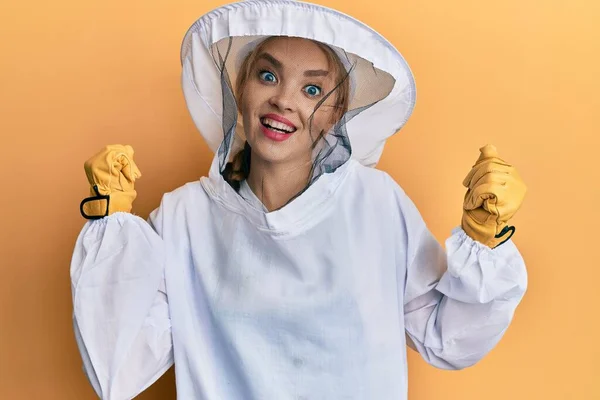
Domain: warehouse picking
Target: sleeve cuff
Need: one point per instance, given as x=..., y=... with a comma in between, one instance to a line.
x=479, y=274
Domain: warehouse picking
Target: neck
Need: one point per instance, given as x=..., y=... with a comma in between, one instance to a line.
x=275, y=184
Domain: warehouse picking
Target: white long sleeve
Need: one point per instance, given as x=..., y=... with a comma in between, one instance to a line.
x=120, y=309
x=457, y=303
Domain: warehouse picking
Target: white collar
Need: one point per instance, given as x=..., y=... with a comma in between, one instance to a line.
x=304, y=211
x=248, y=195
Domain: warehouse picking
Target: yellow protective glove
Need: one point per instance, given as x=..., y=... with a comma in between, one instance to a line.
x=495, y=193
x=111, y=174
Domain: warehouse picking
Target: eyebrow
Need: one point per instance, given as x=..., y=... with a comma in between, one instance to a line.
x=266, y=56
x=316, y=72
x=277, y=64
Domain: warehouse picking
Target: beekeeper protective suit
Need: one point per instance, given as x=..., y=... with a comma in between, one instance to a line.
x=315, y=300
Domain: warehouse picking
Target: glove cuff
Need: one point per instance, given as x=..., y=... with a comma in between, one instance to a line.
x=483, y=233
x=100, y=206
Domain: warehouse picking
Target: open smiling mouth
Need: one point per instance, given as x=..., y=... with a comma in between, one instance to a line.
x=277, y=126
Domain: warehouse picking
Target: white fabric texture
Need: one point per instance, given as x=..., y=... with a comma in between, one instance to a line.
x=308, y=302
x=250, y=197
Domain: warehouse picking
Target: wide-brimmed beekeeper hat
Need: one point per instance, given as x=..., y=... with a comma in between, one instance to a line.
x=382, y=88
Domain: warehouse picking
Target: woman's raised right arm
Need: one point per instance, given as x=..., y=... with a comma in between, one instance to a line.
x=120, y=306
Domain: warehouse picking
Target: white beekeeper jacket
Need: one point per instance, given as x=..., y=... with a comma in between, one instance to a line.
x=313, y=301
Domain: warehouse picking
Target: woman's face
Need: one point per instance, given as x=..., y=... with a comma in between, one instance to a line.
x=289, y=77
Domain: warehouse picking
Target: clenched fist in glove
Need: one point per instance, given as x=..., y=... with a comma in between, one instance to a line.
x=111, y=174
x=495, y=192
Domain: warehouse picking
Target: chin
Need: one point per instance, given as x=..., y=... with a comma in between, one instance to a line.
x=269, y=152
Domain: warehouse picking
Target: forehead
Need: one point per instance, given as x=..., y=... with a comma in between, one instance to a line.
x=297, y=52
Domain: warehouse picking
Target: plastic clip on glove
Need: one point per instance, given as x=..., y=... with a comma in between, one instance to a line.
x=111, y=174
x=495, y=193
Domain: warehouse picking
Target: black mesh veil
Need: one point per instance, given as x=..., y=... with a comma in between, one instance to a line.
x=362, y=84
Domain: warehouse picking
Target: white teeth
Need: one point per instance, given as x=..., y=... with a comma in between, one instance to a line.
x=277, y=125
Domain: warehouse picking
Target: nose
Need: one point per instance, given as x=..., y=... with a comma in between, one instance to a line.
x=283, y=98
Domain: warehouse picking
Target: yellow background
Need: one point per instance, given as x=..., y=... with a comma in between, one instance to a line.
x=522, y=74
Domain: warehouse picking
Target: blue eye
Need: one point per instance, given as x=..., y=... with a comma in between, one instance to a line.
x=267, y=76
x=312, y=90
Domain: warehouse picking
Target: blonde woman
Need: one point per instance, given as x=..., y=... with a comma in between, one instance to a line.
x=295, y=270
